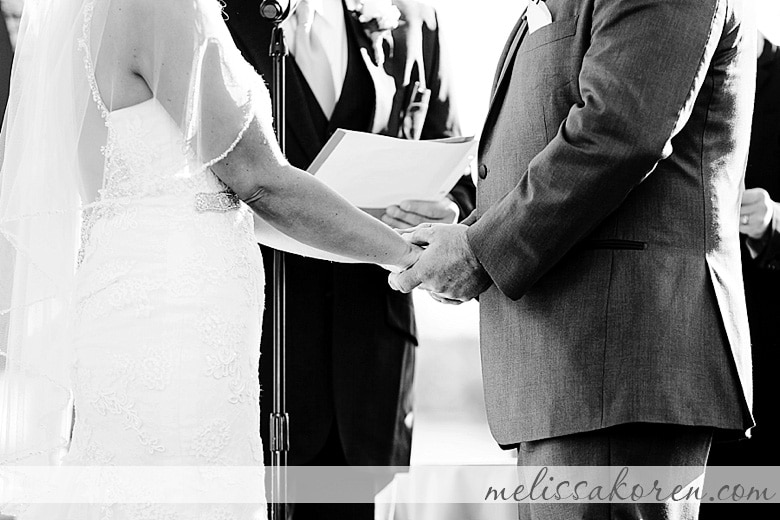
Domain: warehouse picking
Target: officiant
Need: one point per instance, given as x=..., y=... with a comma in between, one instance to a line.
x=373, y=66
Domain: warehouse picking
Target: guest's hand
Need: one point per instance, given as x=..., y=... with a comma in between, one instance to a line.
x=410, y=213
x=756, y=213
x=448, y=268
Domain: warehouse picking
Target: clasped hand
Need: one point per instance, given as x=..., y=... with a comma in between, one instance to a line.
x=756, y=213
x=447, y=268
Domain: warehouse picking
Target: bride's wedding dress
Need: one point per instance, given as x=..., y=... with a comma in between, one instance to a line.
x=169, y=296
x=165, y=313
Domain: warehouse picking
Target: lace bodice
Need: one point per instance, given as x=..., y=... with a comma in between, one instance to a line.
x=146, y=156
x=146, y=159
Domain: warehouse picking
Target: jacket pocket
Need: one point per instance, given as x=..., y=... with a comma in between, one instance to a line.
x=615, y=244
x=549, y=33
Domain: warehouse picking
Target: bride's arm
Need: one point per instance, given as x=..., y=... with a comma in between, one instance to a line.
x=267, y=235
x=303, y=208
x=185, y=54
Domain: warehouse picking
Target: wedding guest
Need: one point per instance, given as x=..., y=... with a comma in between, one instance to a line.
x=760, y=227
x=351, y=340
x=613, y=323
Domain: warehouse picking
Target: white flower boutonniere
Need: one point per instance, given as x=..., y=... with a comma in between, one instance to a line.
x=378, y=18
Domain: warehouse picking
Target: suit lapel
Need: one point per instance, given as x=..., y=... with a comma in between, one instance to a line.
x=505, y=64
x=511, y=45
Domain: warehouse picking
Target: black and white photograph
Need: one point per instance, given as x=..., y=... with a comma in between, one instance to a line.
x=389, y=259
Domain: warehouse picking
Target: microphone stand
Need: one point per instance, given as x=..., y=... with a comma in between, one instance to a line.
x=276, y=12
x=280, y=420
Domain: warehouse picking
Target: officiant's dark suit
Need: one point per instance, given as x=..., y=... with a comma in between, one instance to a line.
x=611, y=166
x=6, y=58
x=351, y=338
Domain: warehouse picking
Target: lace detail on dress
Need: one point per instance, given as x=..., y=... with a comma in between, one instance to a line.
x=85, y=46
x=111, y=402
x=210, y=442
x=129, y=156
x=222, y=201
x=224, y=361
x=90, y=452
x=156, y=369
x=152, y=512
x=220, y=513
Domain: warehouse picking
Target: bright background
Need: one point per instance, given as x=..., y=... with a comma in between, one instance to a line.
x=450, y=422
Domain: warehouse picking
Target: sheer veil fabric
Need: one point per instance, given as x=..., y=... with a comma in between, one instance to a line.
x=53, y=139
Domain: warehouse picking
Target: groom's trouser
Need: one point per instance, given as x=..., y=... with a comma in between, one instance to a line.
x=639, y=444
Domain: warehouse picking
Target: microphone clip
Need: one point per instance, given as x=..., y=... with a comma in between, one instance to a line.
x=277, y=11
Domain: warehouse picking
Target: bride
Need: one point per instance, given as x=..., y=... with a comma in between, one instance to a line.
x=135, y=143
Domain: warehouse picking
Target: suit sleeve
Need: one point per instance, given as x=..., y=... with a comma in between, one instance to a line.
x=442, y=119
x=639, y=79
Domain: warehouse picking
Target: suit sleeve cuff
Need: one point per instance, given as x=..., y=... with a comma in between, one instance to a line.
x=495, y=259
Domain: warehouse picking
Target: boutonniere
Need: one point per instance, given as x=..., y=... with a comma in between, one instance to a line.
x=378, y=19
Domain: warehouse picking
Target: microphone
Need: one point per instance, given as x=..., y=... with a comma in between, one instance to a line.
x=277, y=11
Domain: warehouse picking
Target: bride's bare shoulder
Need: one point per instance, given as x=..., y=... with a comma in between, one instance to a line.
x=139, y=24
x=169, y=10
x=139, y=16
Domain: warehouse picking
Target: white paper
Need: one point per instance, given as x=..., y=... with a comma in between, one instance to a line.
x=375, y=171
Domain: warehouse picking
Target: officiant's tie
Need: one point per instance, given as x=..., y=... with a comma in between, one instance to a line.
x=311, y=57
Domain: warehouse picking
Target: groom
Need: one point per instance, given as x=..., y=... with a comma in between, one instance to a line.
x=605, y=245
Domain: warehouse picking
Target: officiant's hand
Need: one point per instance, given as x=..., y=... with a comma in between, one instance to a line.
x=412, y=213
x=448, y=268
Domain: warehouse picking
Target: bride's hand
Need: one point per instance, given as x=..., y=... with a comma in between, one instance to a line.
x=413, y=254
x=407, y=260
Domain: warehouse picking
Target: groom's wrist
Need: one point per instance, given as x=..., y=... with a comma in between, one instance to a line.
x=479, y=270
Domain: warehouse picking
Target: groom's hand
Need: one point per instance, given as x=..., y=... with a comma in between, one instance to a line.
x=410, y=213
x=447, y=268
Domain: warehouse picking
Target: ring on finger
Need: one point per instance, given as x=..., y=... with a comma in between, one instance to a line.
x=745, y=219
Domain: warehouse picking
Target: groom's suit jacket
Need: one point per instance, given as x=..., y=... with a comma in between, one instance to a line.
x=350, y=337
x=611, y=166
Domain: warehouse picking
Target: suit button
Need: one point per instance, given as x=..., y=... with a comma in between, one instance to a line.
x=482, y=171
